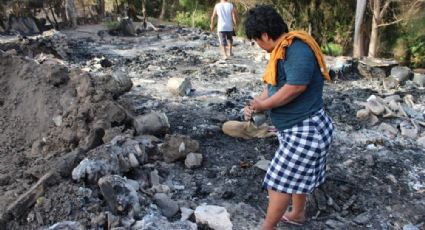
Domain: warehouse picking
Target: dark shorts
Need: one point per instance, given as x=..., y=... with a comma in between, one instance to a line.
x=225, y=36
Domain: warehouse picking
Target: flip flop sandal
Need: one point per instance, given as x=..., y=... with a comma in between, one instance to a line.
x=288, y=221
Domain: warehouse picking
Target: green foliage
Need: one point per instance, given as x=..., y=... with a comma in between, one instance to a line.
x=409, y=45
x=332, y=49
x=198, y=19
x=112, y=25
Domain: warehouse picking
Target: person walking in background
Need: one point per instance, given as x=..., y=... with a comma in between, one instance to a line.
x=227, y=20
x=294, y=80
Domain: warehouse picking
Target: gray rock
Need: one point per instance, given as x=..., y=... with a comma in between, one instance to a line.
x=168, y=206
x=66, y=225
x=185, y=213
x=57, y=120
x=154, y=123
x=339, y=66
x=155, y=178
x=127, y=28
x=121, y=197
x=215, y=217
x=262, y=164
x=390, y=83
x=410, y=227
x=408, y=130
x=193, y=160
x=388, y=130
x=179, y=86
x=155, y=222
x=401, y=73
x=99, y=220
x=362, y=218
x=374, y=105
x=421, y=141
x=334, y=224
x=177, y=146
x=419, y=79
x=363, y=114
x=122, y=155
x=113, y=221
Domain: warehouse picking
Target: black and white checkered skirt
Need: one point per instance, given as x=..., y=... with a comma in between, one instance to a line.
x=299, y=165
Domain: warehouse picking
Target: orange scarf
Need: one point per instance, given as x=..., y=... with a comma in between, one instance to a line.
x=278, y=53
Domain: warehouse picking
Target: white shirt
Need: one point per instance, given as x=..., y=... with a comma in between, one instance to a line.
x=224, y=12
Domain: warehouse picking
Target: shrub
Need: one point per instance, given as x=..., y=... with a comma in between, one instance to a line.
x=112, y=25
x=332, y=49
x=198, y=19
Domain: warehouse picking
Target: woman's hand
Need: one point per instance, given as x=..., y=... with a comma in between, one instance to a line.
x=258, y=105
x=247, y=112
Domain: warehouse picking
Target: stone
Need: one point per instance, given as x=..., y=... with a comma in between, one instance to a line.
x=339, y=66
x=362, y=218
x=99, y=220
x=172, y=147
x=363, y=114
x=215, y=217
x=262, y=164
x=155, y=178
x=94, y=139
x=395, y=97
x=57, y=120
x=334, y=224
x=408, y=130
x=158, y=222
x=120, y=195
x=186, y=213
x=120, y=156
x=373, y=120
x=179, y=86
x=375, y=68
x=421, y=141
x=193, y=160
x=419, y=79
x=388, y=130
x=127, y=28
x=410, y=227
x=161, y=188
x=401, y=73
x=390, y=83
x=374, y=105
x=154, y=123
x=68, y=225
x=168, y=206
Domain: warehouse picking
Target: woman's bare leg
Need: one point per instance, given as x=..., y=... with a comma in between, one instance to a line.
x=298, y=208
x=278, y=203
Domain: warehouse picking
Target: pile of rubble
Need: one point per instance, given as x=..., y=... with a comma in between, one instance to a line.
x=136, y=142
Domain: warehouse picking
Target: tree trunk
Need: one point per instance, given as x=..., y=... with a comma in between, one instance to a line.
x=163, y=9
x=101, y=9
x=172, y=12
x=144, y=13
x=374, y=34
x=315, y=19
x=358, y=46
x=71, y=14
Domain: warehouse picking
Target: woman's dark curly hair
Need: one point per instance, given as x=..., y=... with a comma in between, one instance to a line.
x=264, y=19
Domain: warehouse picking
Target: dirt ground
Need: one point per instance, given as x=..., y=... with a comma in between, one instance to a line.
x=53, y=106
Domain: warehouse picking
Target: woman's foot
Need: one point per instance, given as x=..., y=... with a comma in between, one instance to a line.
x=292, y=218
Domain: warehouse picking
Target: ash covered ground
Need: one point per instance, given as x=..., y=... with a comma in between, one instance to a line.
x=92, y=137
